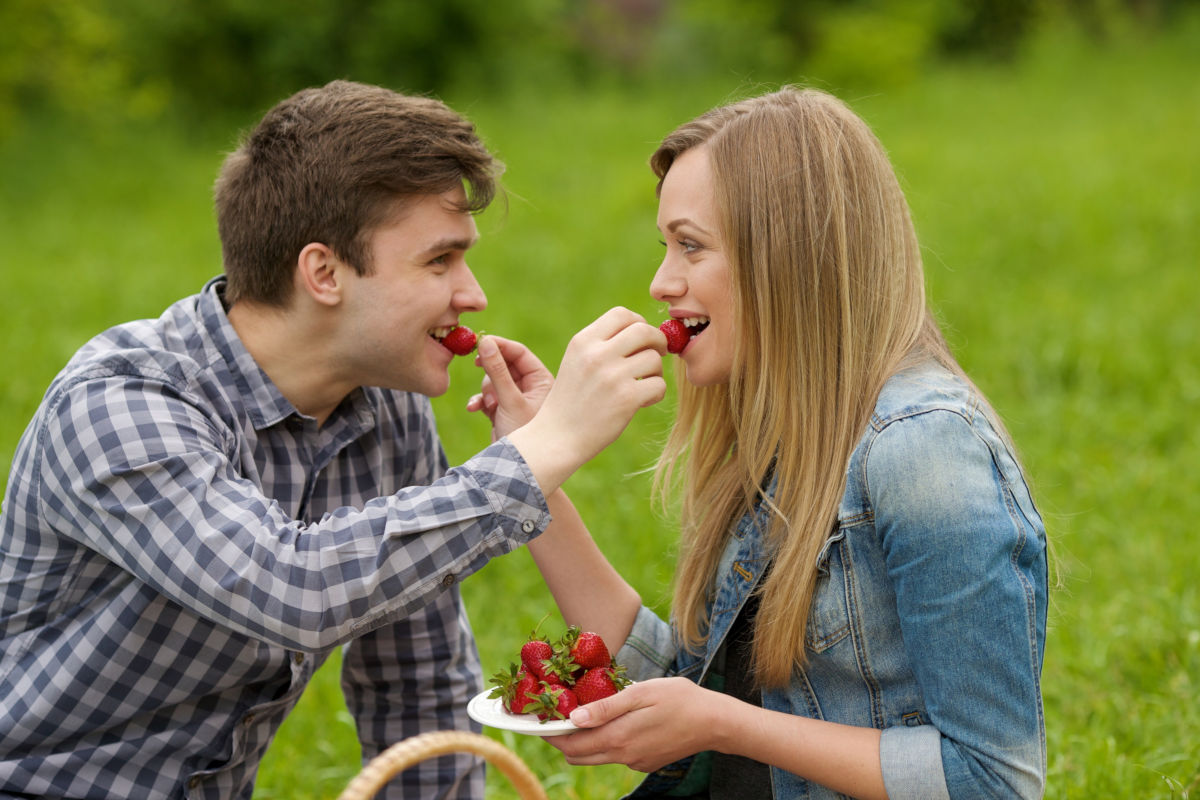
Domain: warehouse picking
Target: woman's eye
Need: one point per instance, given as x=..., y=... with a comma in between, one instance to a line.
x=686, y=245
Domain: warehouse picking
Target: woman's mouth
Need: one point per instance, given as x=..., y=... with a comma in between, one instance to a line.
x=695, y=325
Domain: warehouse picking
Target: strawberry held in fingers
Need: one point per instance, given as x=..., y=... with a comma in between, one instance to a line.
x=460, y=340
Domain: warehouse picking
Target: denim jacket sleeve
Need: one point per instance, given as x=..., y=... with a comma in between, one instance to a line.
x=964, y=550
x=649, y=649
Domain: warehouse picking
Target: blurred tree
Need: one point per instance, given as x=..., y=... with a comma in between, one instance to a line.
x=191, y=58
x=63, y=54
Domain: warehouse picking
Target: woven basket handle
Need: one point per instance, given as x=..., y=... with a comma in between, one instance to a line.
x=403, y=755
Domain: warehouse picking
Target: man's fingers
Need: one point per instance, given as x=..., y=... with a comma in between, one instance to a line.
x=646, y=364
x=613, y=322
x=639, y=336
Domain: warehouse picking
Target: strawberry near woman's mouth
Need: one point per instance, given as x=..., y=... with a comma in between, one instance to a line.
x=681, y=330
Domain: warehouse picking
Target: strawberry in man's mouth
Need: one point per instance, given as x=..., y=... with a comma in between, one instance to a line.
x=459, y=339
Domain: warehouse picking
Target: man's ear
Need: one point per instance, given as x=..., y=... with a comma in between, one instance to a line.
x=319, y=274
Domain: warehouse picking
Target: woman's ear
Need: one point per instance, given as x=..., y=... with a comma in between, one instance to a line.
x=319, y=274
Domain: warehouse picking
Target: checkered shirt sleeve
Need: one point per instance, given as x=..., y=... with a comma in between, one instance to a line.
x=171, y=576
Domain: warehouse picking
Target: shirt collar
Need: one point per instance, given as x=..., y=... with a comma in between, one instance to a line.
x=263, y=401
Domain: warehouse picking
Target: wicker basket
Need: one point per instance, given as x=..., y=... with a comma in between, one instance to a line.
x=403, y=755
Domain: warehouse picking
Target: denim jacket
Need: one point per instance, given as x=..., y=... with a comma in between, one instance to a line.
x=929, y=617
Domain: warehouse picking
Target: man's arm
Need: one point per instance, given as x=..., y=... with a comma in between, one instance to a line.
x=139, y=472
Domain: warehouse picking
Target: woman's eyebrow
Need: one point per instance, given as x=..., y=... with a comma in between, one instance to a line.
x=675, y=224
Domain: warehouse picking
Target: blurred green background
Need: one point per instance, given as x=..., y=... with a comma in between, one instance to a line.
x=1049, y=151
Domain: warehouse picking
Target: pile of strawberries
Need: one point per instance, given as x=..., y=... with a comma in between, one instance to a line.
x=553, y=679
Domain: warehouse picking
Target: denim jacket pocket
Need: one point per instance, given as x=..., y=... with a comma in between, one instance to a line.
x=828, y=619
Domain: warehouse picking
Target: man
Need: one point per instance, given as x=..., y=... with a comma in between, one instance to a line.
x=208, y=503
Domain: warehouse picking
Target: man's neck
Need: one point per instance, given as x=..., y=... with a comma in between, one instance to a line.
x=292, y=351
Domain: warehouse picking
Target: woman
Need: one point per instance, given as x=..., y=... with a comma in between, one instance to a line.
x=860, y=598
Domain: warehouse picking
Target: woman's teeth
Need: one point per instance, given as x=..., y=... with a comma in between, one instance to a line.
x=441, y=333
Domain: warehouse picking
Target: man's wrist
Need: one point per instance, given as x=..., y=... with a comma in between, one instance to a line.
x=547, y=452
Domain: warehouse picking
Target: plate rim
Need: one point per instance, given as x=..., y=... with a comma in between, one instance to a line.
x=488, y=711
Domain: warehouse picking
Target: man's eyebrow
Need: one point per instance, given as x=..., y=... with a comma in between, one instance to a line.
x=448, y=244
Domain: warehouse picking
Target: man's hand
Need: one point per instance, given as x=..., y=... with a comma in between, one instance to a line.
x=514, y=387
x=611, y=368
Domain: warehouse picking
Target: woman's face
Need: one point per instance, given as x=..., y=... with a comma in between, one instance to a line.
x=694, y=276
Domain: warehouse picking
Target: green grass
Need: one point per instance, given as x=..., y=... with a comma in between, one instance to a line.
x=1057, y=202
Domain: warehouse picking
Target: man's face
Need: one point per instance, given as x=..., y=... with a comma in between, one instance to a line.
x=420, y=282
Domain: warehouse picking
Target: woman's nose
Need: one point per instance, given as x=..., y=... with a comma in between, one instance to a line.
x=667, y=283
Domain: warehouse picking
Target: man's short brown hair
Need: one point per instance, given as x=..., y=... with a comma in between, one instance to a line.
x=328, y=165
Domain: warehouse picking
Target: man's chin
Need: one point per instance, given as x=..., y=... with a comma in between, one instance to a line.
x=435, y=386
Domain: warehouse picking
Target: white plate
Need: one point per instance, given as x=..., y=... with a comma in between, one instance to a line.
x=490, y=711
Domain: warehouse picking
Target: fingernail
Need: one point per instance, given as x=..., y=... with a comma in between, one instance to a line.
x=581, y=716
x=486, y=347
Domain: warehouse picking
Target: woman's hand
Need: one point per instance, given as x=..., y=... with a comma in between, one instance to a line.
x=645, y=726
x=656, y=722
x=514, y=386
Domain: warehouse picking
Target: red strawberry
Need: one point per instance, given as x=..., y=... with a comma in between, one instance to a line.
x=555, y=702
x=524, y=693
x=533, y=655
x=598, y=683
x=460, y=341
x=677, y=335
x=590, y=651
x=515, y=688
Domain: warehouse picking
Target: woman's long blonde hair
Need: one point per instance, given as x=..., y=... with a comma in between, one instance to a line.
x=829, y=300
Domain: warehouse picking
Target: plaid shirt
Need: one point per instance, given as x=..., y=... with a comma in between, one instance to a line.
x=180, y=549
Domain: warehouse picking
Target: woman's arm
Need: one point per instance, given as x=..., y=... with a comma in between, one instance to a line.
x=965, y=555
x=589, y=591
x=656, y=722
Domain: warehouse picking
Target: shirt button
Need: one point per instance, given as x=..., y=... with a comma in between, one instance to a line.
x=528, y=526
x=298, y=658
x=248, y=719
x=449, y=580
x=193, y=783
